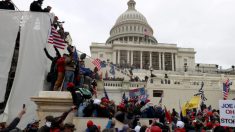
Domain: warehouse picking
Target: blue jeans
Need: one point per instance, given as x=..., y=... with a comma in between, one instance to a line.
x=69, y=77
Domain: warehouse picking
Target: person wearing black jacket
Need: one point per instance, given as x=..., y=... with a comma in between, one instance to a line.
x=53, y=123
x=15, y=122
x=37, y=6
x=7, y=5
x=52, y=75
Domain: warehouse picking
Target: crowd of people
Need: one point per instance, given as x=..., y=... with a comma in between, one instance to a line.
x=129, y=112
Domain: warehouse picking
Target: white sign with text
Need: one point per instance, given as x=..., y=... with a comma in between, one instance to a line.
x=227, y=113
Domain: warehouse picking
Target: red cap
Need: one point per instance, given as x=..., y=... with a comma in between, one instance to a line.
x=156, y=129
x=70, y=85
x=209, y=125
x=217, y=124
x=90, y=123
x=209, y=113
x=105, y=100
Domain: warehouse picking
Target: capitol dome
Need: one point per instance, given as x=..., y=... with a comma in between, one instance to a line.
x=132, y=26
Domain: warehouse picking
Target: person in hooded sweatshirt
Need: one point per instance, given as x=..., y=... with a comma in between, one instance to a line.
x=7, y=5
x=36, y=6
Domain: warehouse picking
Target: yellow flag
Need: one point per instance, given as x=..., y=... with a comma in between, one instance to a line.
x=193, y=103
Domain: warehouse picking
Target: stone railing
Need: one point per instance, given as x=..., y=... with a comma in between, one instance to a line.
x=121, y=84
x=191, y=82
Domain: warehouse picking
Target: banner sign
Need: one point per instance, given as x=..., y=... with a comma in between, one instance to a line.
x=227, y=113
x=137, y=92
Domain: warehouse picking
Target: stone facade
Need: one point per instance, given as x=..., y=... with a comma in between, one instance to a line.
x=132, y=44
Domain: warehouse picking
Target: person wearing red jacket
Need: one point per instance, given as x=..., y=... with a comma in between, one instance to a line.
x=60, y=69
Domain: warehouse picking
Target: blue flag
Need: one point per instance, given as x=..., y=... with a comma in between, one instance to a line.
x=112, y=70
x=75, y=56
x=102, y=64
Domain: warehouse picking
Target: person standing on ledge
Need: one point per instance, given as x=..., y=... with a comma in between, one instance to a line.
x=37, y=6
x=7, y=4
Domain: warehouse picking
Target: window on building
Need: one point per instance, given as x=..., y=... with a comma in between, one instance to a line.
x=157, y=93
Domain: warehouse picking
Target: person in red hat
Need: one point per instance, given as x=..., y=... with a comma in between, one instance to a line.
x=89, y=123
x=154, y=129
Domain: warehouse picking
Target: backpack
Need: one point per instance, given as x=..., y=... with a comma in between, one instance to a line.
x=85, y=93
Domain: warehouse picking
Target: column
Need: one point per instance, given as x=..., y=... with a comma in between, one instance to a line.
x=160, y=61
x=128, y=56
x=150, y=60
x=141, y=60
x=128, y=40
x=172, y=61
x=114, y=57
x=163, y=61
x=118, y=57
x=131, y=58
x=176, y=63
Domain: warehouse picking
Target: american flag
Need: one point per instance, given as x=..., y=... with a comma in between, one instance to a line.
x=226, y=87
x=97, y=62
x=56, y=39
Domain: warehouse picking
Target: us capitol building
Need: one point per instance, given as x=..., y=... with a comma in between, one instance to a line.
x=177, y=76
x=131, y=43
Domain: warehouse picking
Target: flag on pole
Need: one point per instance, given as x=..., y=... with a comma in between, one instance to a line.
x=192, y=104
x=226, y=88
x=106, y=94
x=112, y=70
x=201, y=93
x=124, y=96
x=97, y=62
x=106, y=75
x=160, y=102
x=75, y=55
x=56, y=39
x=103, y=64
x=167, y=115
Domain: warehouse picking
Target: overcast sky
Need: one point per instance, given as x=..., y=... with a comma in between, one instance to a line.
x=208, y=26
